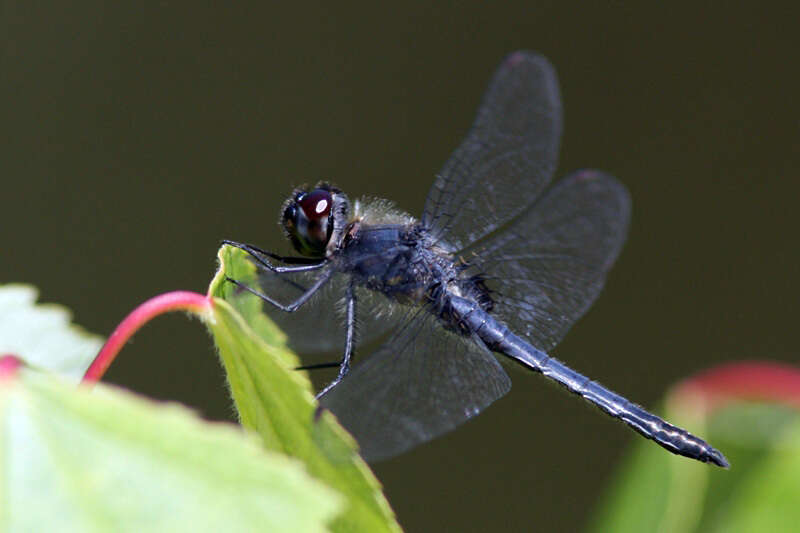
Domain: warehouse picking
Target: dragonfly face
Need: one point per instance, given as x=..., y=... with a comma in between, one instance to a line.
x=309, y=218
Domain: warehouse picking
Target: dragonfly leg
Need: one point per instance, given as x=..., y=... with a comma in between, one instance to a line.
x=302, y=264
x=344, y=366
x=331, y=364
x=290, y=308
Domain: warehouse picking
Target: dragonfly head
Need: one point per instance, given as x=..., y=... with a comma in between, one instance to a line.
x=315, y=218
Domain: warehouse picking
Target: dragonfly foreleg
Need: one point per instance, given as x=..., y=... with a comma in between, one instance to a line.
x=302, y=264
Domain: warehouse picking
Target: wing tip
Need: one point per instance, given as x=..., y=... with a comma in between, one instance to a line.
x=587, y=175
x=526, y=56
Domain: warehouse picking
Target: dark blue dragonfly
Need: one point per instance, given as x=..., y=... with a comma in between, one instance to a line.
x=497, y=264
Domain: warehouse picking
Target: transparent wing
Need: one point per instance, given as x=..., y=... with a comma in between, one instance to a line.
x=548, y=267
x=423, y=382
x=318, y=325
x=507, y=158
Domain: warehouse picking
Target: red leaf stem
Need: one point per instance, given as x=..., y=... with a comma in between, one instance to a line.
x=158, y=305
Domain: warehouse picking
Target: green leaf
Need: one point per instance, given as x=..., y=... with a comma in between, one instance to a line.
x=106, y=460
x=277, y=402
x=657, y=491
x=763, y=489
x=42, y=335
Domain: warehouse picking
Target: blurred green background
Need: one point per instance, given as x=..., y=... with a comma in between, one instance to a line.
x=132, y=132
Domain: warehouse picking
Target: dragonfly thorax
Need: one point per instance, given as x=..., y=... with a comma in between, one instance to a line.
x=401, y=262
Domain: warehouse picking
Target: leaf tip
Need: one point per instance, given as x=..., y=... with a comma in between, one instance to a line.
x=9, y=366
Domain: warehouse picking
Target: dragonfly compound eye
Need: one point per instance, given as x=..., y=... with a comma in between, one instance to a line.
x=307, y=220
x=316, y=205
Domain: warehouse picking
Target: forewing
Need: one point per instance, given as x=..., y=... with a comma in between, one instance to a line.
x=318, y=325
x=423, y=382
x=548, y=267
x=507, y=158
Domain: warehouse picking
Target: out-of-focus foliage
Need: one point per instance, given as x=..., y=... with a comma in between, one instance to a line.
x=749, y=411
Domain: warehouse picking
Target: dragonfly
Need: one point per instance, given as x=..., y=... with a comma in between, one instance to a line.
x=500, y=263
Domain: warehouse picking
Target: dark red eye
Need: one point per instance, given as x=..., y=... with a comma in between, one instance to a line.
x=316, y=205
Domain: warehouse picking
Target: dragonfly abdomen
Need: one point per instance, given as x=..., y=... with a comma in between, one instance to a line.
x=499, y=338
